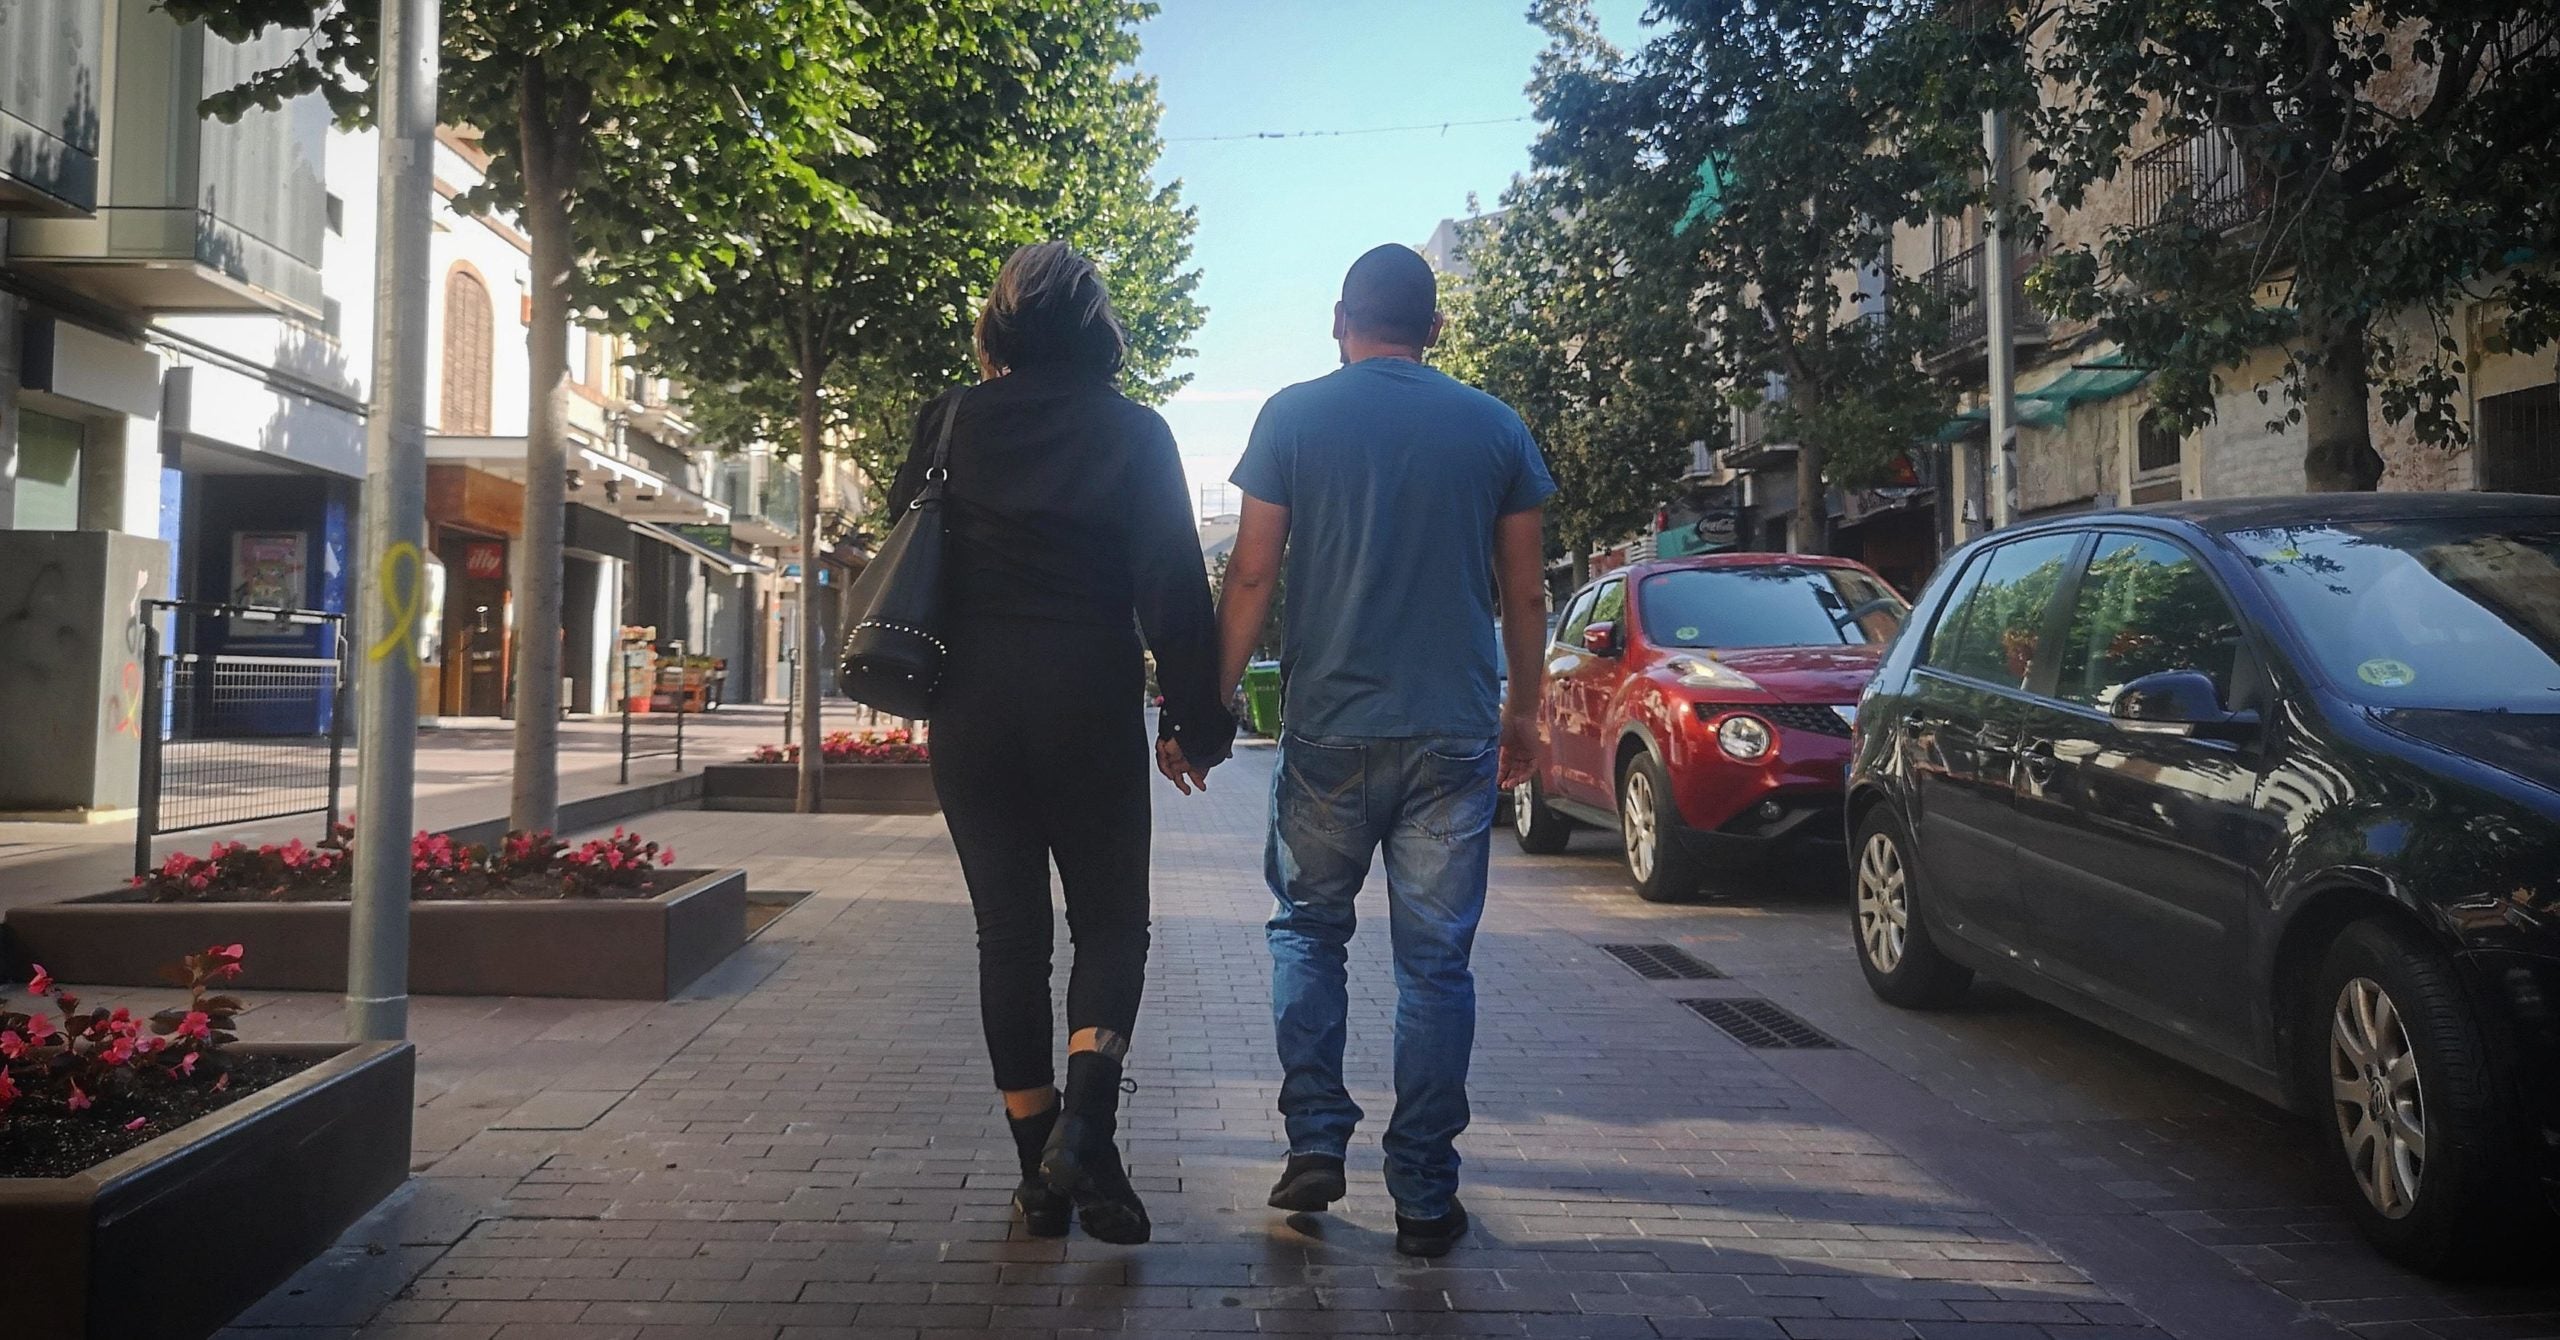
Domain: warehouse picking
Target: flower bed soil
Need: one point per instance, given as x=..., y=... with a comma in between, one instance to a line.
x=849, y=788
x=51, y=1142
x=641, y=948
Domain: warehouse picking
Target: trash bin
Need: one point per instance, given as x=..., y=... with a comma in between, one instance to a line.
x=1262, y=698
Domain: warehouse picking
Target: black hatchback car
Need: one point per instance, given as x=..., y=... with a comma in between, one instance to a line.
x=2270, y=785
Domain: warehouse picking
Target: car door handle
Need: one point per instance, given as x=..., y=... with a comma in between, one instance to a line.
x=2036, y=757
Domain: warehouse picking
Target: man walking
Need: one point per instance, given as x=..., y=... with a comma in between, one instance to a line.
x=1402, y=500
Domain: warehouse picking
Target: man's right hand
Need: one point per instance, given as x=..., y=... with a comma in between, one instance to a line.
x=1522, y=750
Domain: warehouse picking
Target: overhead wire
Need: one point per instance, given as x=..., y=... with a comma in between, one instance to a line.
x=1443, y=126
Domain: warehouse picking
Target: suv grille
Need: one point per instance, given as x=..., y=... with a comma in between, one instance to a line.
x=1806, y=717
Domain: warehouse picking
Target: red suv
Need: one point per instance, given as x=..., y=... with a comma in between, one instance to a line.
x=1702, y=707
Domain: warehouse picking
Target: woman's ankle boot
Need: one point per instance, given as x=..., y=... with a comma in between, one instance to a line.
x=1083, y=1162
x=1044, y=1212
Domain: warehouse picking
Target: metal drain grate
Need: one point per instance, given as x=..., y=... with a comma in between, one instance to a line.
x=1662, y=963
x=1757, y=1024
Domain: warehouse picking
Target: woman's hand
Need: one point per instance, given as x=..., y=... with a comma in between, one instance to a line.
x=1177, y=769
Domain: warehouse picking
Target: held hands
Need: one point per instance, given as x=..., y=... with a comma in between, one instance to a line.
x=1522, y=749
x=1178, y=770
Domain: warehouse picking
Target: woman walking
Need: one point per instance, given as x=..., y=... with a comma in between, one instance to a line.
x=1070, y=528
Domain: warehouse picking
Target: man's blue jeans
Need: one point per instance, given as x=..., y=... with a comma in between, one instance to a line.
x=1334, y=801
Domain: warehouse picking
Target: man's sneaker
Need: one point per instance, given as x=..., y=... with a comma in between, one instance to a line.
x=1431, y=1237
x=1311, y=1182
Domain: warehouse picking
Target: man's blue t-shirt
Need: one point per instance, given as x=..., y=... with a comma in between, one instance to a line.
x=1393, y=474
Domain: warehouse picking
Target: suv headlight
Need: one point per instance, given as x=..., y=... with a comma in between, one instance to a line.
x=1700, y=672
x=1745, y=739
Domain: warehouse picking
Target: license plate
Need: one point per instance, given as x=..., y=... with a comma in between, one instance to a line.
x=1848, y=712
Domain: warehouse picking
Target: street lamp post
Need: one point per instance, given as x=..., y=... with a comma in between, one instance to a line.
x=392, y=590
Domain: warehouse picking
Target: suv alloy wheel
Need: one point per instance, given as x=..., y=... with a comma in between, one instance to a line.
x=1663, y=869
x=1540, y=830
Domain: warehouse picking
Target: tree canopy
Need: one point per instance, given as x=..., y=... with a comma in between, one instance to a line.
x=2306, y=175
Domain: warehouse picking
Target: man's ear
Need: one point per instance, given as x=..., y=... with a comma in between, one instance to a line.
x=1341, y=322
x=1433, y=336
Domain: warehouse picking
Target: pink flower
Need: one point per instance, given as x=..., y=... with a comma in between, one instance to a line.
x=39, y=981
x=79, y=1101
x=12, y=1045
x=39, y=1028
x=187, y=1064
x=197, y=1026
x=667, y=857
x=222, y=1081
x=151, y=1046
x=118, y=1052
x=137, y=1123
x=8, y=1089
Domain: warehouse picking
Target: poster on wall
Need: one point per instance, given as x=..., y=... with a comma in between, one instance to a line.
x=269, y=570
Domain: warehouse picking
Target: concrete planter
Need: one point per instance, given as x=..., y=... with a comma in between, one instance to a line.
x=174, y=1238
x=851, y=788
x=597, y=948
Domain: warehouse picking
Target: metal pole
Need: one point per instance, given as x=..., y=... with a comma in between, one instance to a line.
x=146, y=805
x=623, y=778
x=393, y=572
x=1999, y=320
x=679, y=733
x=337, y=717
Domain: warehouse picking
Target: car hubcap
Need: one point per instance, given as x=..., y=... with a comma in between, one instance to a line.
x=1639, y=821
x=1884, y=903
x=2373, y=1089
x=1522, y=817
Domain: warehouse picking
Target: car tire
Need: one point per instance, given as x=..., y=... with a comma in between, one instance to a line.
x=1661, y=868
x=1540, y=830
x=2439, y=1182
x=1888, y=921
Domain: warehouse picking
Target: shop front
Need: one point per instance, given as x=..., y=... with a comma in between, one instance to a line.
x=473, y=518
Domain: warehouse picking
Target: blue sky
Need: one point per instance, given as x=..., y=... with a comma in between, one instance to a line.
x=1281, y=219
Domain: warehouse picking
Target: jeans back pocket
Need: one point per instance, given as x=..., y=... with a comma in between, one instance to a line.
x=1450, y=792
x=1323, y=787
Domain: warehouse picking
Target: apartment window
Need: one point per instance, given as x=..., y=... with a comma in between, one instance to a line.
x=2155, y=447
x=48, y=473
x=468, y=339
x=578, y=355
x=2520, y=441
x=337, y=215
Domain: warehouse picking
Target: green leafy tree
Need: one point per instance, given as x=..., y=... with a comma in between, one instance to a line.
x=1564, y=311
x=2368, y=161
x=818, y=309
x=560, y=92
x=1789, y=128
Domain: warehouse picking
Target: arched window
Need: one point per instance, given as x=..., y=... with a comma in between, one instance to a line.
x=468, y=337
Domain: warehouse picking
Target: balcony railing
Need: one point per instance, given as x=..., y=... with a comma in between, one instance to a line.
x=2197, y=180
x=1956, y=283
x=764, y=504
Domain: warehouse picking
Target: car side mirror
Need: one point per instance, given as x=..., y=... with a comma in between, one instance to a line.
x=1601, y=639
x=2174, y=702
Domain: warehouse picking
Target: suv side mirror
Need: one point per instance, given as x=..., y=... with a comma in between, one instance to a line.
x=2173, y=702
x=1601, y=639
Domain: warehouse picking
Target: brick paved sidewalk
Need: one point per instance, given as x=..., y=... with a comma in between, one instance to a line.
x=813, y=1148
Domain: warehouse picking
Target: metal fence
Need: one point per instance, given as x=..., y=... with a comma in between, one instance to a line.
x=244, y=717
x=2199, y=180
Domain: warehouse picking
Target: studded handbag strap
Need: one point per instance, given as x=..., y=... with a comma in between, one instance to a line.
x=938, y=474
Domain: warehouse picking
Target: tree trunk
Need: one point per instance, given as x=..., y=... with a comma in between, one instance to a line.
x=1812, y=509
x=1579, y=561
x=2339, y=456
x=551, y=134
x=811, y=793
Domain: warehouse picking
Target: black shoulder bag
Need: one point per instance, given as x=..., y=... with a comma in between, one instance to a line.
x=893, y=651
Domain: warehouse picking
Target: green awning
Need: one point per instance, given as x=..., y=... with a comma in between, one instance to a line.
x=2046, y=406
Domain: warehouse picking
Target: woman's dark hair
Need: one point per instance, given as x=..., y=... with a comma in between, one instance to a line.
x=1049, y=309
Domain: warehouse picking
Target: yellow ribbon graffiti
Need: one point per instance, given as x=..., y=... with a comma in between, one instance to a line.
x=401, y=598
